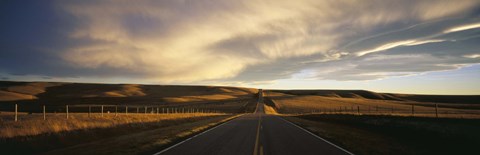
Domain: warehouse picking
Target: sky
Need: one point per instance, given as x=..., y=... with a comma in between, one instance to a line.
x=398, y=46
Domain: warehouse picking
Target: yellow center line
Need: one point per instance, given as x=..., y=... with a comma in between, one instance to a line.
x=255, y=150
x=261, y=150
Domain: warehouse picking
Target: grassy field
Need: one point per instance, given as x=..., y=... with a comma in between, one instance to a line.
x=34, y=135
x=149, y=125
x=33, y=124
x=395, y=134
x=295, y=104
x=365, y=94
x=371, y=123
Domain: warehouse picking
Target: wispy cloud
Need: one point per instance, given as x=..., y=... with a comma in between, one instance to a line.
x=244, y=41
x=473, y=56
x=397, y=44
x=463, y=28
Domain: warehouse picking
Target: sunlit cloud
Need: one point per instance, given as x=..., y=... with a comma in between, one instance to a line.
x=383, y=66
x=473, y=56
x=386, y=47
x=397, y=44
x=463, y=28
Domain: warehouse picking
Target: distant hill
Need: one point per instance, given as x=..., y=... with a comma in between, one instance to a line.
x=463, y=99
x=55, y=93
x=86, y=93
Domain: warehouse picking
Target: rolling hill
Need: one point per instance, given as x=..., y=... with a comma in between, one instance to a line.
x=35, y=94
x=364, y=94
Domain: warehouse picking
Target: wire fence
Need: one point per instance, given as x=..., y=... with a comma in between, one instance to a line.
x=433, y=110
x=101, y=110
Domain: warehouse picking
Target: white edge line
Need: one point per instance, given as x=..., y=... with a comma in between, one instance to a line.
x=338, y=147
x=165, y=150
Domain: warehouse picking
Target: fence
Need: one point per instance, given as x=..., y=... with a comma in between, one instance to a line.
x=114, y=110
x=424, y=110
x=367, y=110
x=407, y=110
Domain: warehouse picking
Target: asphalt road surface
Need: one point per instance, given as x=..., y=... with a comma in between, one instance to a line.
x=255, y=134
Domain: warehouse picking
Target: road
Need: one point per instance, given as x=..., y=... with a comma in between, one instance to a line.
x=255, y=134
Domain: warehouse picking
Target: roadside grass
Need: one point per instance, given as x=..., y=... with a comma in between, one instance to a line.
x=33, y=135
x=33, y=124
x=269, y=110
x=367, y=134
x=291, y=104
x=146, y=142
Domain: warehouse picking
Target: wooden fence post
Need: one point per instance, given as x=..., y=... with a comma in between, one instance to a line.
x=358, y=110
x=145, y=109
x=436, y=110
x=413, y=110
x=44, y=115
x=158, y=109
x=138, y=110
x=89, y=110
x=102, y=110
x=66, y=110
x=116, y=111
x=16, y=112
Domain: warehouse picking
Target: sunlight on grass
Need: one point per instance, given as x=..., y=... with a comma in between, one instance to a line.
x=34, y=124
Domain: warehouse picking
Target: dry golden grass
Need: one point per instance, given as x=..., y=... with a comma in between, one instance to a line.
x=146, y=142
x=269, y=110
x=12, y=96
x=215, y=97
x=290, y=104
x=125, y=91
x=33, y=88
x=24, y=92
x=33, y=124
x=393, y=135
